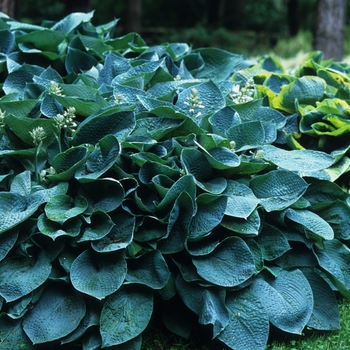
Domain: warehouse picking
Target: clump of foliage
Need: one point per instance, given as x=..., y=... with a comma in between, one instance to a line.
x=136, y=177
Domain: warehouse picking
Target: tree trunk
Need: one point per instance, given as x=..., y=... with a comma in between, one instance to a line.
x=134, y=16
x=293, y=18
x=8, y=7
x=330, y=28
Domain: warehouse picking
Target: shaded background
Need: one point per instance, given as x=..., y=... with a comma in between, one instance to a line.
x=248, y=27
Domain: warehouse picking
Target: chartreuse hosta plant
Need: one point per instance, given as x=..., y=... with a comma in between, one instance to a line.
x=195, y=182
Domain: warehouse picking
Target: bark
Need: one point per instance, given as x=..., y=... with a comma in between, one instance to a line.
x=134, y=16
x=330, y=28
x=8, y=7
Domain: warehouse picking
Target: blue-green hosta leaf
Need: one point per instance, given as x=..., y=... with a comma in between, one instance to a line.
x=195, y=163
x=12, y=334
x=184, y=183
x=7, y=39
x=221, y=158
x=125, y=315
x=306, y=90
x=78, y=61
x=207, y=303
x=18, y=308
x=209, y=95
x=302, y=161
x=98, y=275
x=67, y=163
x=54, y=229
x=21, y=126
x=91, y=319
x=248, y=326
x=278, y=189
x=325, y=315
x=17, y=80
x=18, y=109
x=15, y=208
x=151, y=169
x=219, y=64
x=100, y=224
x=247, y=135
x=229, y=265
x=7, y=241
x=105, y=194
x=224, y=120
x=288, y=300
x=50, y=107
x=119, y=236
x=249, y=226
x=272, y=242
x=55, y=315
x=337, y=215
x=149, y=269
x=210, y=211
x=21, y=275
x=72, y=21
x=178, y=225
x=241, y=200
x=115, y=121
x=100, y=159
x=45, y=40
x=63, y=207
x=114, y=65
x=334, y=259
x=311, y=223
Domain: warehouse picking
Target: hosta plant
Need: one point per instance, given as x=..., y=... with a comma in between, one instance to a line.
x=193, y=182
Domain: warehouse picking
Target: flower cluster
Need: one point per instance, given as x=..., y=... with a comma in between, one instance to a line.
x=194, y=102
x=38, y=134
x=2, y=118
x=66, y=121
x=55, y=89
x=243, y=94
x=118, y=99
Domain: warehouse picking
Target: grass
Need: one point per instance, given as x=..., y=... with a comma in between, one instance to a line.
x=161, y=339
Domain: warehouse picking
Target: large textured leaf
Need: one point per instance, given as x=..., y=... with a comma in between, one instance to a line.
x=306, y=90
x=229, y=265
x=15, y=208
x=178, y=226
x=115, y=121
x=334, y=259
x=325, y=315
x=125, y=315
x=55, y=315
x=311, y=222
x=118, y=237
x=100, y=159
x=247, y=135
x=98, y=276
x=12, y=334
x=63, y=207
x=288, y=300
x=272, y=242
x=241, y=200
x=208, y=304
x=302, y=161
x=278, y=189
x=7, y=241
x=150, y=269
x=210, y=211
x=248, y=326
x=21, y=275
